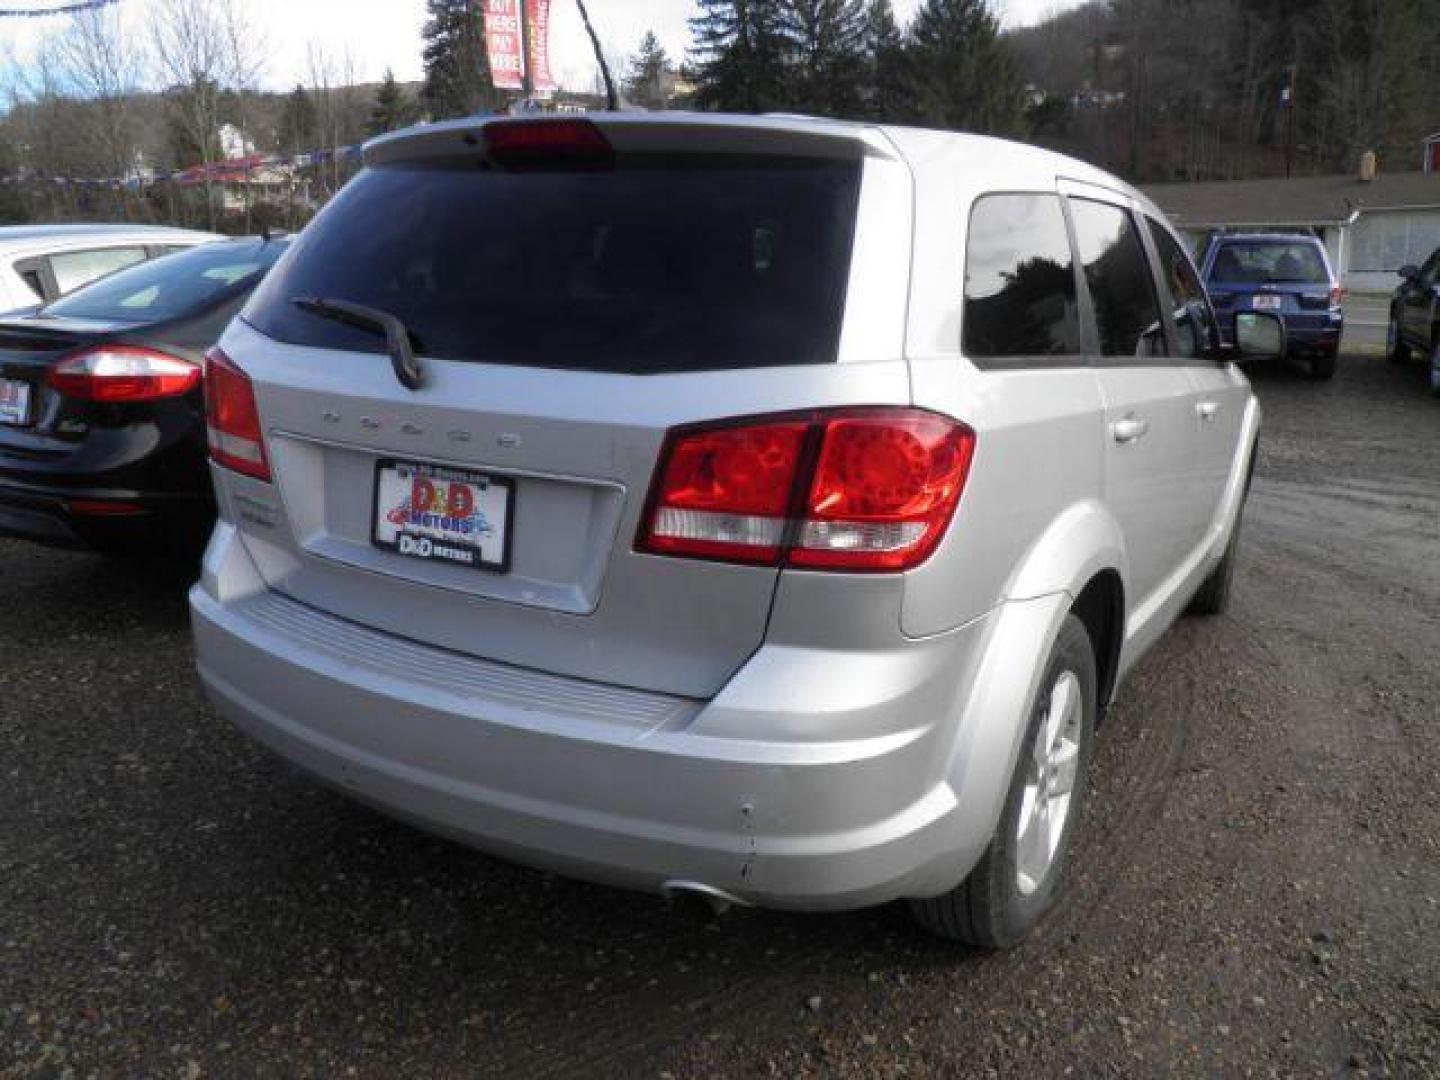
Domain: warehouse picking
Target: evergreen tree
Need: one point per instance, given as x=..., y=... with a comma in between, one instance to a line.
x=740, y=55
x=457, y=71
x=827, y=42
x=886, y=92
x=391, y=110
x=961, y=74
x=645, y=81
x=297, y=122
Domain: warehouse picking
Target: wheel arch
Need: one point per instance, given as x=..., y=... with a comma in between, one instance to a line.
x=1100, y=606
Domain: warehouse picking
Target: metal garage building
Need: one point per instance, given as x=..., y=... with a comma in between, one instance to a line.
x=1371, y=228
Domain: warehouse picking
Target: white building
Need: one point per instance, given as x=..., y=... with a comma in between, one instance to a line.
x=1370, y=228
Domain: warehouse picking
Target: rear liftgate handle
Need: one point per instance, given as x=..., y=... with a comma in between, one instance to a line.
x=1207, y=410
x=1130, y=429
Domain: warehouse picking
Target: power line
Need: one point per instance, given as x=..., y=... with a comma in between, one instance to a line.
x=55, y=9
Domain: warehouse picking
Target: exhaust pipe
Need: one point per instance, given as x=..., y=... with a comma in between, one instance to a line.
x=717, y=900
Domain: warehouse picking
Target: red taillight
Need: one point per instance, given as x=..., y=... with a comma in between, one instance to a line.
x=1337, y=294
x=232, y=422
x=530, y=142
x=122, y=373
x=885, y=486
x=724, y=492
x=858, y=489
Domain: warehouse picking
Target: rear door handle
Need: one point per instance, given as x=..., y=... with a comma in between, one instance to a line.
x=1129, y=429
x=1208, y=409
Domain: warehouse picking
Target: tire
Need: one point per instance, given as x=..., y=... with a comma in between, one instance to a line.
x=1322, y=365
x=1396, y=351
x=1014, y=886
x=1213, y=596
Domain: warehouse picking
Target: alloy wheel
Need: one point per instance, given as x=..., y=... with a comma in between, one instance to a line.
x=1049, y=783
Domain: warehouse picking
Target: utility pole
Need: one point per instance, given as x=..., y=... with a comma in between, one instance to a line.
x=1292, y=73
x=527, y=85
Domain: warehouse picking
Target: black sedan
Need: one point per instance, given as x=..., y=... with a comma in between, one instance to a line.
x=102, y=420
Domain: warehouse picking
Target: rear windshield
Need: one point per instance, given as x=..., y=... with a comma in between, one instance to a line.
x=661, y=264
x=171, y=286
x=1256, y=262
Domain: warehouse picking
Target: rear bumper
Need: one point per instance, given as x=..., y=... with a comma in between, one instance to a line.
x=45, y=515
x=607, y=783
x=1310, y=333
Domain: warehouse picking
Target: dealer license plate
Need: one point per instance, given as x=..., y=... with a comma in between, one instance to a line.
x=14, y=401
x=444, y=515
x=1266, y=303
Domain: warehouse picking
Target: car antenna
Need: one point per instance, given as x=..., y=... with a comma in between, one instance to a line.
x=612, y=100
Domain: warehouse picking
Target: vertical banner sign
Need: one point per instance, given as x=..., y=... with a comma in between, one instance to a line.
x=537, y=14
x=502, y=43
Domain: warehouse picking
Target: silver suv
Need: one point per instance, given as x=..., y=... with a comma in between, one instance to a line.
x=758, y=509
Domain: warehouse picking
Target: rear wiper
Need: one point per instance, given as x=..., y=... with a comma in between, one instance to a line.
x=397, y=336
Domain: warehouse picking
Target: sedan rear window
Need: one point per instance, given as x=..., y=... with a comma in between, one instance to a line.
x=172, y=285
x=660, y=264
x=1269, y=262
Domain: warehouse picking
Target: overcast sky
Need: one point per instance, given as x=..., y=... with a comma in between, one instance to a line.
x=386, y=33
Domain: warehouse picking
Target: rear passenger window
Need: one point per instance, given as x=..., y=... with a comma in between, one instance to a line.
x=1194, y=322
x=1020, y=296
x=75, y=268
x=1127, y=314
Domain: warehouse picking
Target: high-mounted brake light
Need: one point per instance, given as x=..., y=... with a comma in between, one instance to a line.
x=850, y=489
x=232, y=420
x=537, y=142
x=122, y=373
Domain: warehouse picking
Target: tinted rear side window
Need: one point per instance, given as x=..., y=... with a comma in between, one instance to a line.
x=1194, y=321
x=1020, y=307
x=661, y=264
x=173, y=285
x=1269, y=262
x=1127, y=314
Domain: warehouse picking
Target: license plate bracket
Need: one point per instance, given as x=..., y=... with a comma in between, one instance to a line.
x=436, y=513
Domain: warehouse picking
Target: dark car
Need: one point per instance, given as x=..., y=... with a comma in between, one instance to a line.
x=1415, y=317
x=1289, y=275
x=102, y=421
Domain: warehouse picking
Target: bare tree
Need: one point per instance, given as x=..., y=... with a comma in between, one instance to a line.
x=103, y=68
x=245, y=51
x=191, y=52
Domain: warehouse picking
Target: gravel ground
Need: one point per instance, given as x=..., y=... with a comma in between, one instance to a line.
x=1256, y=893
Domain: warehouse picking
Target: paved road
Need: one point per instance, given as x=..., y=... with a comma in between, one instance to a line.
x=1257, y=892
x=1366, y=317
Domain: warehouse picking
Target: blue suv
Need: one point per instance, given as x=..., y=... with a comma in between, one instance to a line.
x=1289, y=275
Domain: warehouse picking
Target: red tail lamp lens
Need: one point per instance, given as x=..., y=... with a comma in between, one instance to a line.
x=857, y=489
x=723, y=493
x=232, y=420
x=884, y=490
x=122, y=373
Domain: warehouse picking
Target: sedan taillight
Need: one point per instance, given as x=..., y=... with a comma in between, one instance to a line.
x=850, y=489
x=122, y=373
x=232, y=420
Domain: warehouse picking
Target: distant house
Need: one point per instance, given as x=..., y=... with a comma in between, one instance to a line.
x=1371, y=228
x=240, y=182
